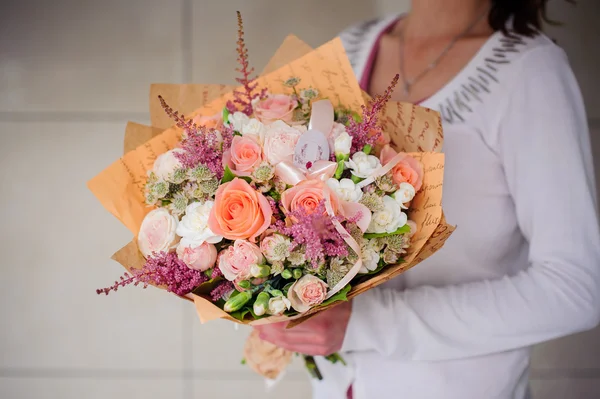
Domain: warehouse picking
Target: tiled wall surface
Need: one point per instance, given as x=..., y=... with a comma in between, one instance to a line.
x=72, y=73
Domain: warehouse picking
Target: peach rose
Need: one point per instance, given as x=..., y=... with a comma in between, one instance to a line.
x=274, y=107
x=408, y=170
x=307, y=292
x=236, y=261
x=308, y=194
x=212, y=121
x=201, y=258
x=244, y=155
x=239, y=211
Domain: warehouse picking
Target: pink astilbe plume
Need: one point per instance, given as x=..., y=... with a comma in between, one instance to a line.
x=179, y=120
x=247, y=94
x=316, y=232
x=368, y=131
x=204, y=146
x=163, y=269
x=221, y=290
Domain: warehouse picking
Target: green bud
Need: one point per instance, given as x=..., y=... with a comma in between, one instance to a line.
x=367, y=149
x=286, y=274
x=261, y=304
x=245, y=284
x=237, y=301
x=340, y=168
x=260, y=271
x=297, y=273
x=275, y=292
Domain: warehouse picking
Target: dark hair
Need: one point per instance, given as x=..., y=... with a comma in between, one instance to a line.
x=528, y=15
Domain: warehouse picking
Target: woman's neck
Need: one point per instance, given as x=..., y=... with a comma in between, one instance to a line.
x=431, y=19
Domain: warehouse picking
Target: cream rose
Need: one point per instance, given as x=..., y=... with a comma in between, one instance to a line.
x=193, y=228
x=307, y=292
x=157, y=232
x=280, y=142
x=166, y=164
x=389, y=219
x=363, y=165
x=345, y=189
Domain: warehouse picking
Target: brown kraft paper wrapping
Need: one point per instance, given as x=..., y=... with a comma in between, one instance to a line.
x=411, y=128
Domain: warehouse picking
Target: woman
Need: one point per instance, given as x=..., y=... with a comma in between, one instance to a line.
x=523, y=265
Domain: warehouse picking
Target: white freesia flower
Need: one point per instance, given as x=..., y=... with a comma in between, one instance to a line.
x=278, y=305
x=370, y=259
x=363, y=165
x=389, y=219
x=157, y=232
x=405, y=193
x=342, y=143
x=193, y=228
x=345, y=189
x=166, y=164
x=255, y=128
x=238, y=120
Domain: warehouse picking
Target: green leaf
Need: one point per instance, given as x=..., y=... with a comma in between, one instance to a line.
x=402, y=230
x=342, y=295
x=206, y=287
x=225, y=116
x=240, y=314
x=228, y=176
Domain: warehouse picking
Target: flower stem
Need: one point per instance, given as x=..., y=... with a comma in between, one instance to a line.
x=311, y=366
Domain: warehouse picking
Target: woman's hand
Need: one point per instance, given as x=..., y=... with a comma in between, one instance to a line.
x=320, y=335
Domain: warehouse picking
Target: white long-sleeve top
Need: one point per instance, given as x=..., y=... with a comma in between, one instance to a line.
x=523, y=265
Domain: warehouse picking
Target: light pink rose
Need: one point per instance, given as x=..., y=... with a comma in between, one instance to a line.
x=274, y=107
x=157, y=232
x=235, y=261
x=280, y=142
x=167, y=163
x=201, y=258
x=244, y=155
x=307, y=292
x=408, y=170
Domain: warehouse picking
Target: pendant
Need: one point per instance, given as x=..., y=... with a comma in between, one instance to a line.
x=407, y=87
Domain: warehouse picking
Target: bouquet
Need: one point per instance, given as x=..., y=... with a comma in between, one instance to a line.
x=279, y=198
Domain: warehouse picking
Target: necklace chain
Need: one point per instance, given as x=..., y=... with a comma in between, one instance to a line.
x=408, y=83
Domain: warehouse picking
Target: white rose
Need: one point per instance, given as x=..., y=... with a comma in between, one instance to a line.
x=280, y=142
x=370, y=259
x=342, y=144
x=405, y=193
x=363, y=165
x=166, y=164
x=157, y=232
x=345, y=189
x=238, y=120
x=388, y=220
x=278, y=305
x=193, y=228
